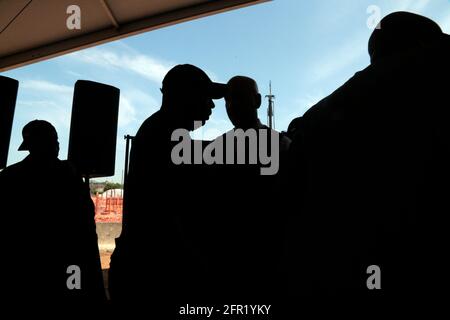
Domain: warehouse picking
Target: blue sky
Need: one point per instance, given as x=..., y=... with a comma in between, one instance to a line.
x=306, y=48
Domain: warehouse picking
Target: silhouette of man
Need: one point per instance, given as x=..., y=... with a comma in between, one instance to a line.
x=259, y=233
x=372, y=159
x=50, y=242
x=242, y=103
x=246, y=225
x=152, y=255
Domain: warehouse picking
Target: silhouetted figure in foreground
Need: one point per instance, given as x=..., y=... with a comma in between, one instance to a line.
x=48, y=228
x=153, y=263
x=242, y=103
x=245, y=223
x=260, y=199
x=370, y=166
x=258, y=203
x=294, y=126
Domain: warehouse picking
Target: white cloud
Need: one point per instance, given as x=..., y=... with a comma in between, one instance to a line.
x=53, y=102
x=445, y=24
x=309, y=100
x=402, y=4
x=46, y=86
x=74, y=74
x=127, y=112
x=143, y=65
x=147, y=67
x=130, y=60
x=46, y=100
x=409, y=5
x=298, y=108
x=420, y=5
x=340, y=59
x=135, y=106
x=214, y=77
x=417, y=6
x=141, y=98
x=56, y=113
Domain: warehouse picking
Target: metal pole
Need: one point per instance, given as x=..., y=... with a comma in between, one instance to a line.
x=128, y=138
x=127, y=154
x=270, y=114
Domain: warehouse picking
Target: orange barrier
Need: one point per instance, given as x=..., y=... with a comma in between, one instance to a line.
x=108, y=209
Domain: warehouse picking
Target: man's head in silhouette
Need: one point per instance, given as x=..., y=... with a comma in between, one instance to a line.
x=187, y=95
x=40, y=139
x=402, y=31
x=242, y=102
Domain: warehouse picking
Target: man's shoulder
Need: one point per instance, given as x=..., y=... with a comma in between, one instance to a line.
x=352, y=90
x=151, y=129
x=68, y=167
x=154, y=122
x=14, y=168
x=16, y=174
x=284, y=141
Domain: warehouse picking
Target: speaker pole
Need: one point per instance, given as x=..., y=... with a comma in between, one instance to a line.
x=128, y=138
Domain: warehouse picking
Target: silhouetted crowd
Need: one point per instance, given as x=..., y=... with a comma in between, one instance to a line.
x=360, y=180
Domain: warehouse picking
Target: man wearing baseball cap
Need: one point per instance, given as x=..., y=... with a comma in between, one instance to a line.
x=157, y=193
x=48, y=225
x=41, y=139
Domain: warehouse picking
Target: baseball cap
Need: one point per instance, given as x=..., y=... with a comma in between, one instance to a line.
x=37, y=132
x=185, y=77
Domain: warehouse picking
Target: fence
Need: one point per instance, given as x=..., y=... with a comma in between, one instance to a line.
x=108, y=207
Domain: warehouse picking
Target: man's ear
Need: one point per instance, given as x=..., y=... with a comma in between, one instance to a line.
x=258, y=100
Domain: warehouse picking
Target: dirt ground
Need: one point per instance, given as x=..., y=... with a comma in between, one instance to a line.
x=105, y=257
x=107, y=233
